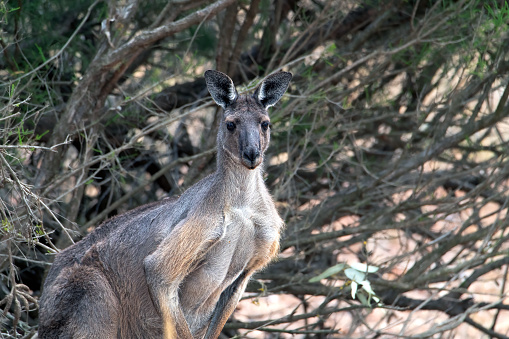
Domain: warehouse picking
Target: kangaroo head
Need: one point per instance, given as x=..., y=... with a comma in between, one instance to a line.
x=244, y=132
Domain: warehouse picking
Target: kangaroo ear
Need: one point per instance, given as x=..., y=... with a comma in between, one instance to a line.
x=221, y=88
x=272, y=88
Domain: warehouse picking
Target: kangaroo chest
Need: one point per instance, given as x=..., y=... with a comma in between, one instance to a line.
x=247, y=238
x=245, y=243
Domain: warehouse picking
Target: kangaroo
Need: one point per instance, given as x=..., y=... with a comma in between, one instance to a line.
x=176, y=268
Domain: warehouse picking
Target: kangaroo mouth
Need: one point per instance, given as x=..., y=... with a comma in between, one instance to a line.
x=251, y=165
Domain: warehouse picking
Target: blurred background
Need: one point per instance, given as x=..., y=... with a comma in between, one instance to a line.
x=388, y=158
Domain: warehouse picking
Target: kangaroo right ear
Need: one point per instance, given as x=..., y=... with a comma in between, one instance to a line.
x=272, y=88
x=221, y=88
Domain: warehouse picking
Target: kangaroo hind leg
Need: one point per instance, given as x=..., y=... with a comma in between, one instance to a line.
x=81, y=305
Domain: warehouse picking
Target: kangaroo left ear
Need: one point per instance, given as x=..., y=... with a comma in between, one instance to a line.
x=221, y=88
x=272, y=88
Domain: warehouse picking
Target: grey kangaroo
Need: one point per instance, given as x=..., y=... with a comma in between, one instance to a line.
x=177, y=268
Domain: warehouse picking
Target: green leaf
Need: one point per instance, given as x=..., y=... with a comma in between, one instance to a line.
x=364, y=268
x=41, y=53
x=355, y=275
x=354, y=289
x=366, y=285
x=39, y=136
x=328, y=272
x=363, y=300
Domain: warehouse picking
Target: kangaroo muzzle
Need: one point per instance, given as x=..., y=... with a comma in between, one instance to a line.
x=251, y=157
x=250, y=152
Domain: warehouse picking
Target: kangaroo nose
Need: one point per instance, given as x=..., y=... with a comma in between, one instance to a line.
x=251, y=154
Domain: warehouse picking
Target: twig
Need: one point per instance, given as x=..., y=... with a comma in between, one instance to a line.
x=33, y=147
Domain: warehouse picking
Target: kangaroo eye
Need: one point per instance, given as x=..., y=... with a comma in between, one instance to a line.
x=265, y=125
x=230, y=126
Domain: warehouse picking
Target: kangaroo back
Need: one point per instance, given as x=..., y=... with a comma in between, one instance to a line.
x=177, y=268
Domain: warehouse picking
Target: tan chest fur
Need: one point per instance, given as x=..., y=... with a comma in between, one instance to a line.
x=244, y=233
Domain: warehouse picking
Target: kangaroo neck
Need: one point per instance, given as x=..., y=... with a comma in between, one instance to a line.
x=237, y=184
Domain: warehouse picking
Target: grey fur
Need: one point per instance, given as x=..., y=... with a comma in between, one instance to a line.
x=176, y=268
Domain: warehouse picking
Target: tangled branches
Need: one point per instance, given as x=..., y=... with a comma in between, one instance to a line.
x=389, y=151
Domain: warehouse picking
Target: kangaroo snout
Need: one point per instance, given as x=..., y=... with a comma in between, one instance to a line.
x=251, y=156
